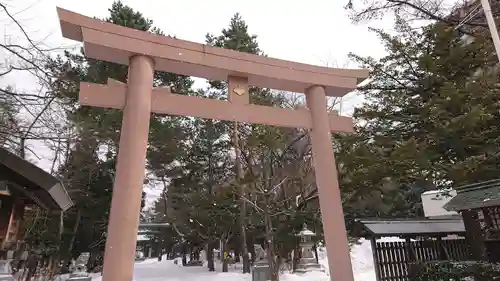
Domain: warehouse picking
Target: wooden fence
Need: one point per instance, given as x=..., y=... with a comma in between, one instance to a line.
x=393, y=259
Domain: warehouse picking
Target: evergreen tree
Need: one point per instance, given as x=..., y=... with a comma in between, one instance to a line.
x=263, y=148
x=99, y=131
x=237, y=38
x=430, y=121
x=206, y=169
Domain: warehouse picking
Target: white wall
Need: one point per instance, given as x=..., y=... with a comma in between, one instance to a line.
x=433, y=202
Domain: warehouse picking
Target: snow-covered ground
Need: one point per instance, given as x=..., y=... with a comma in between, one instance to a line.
x=166, y=270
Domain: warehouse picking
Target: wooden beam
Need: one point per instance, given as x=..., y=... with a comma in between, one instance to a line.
x=112, y=43
x=165, y=102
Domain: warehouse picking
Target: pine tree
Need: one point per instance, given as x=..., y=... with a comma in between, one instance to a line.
x=99, y=129
x=237, y=38
x=264, y=148
x=430, y=121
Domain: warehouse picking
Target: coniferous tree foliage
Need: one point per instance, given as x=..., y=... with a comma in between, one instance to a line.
x=90, y=167
x=430, y=121
x=204, y=195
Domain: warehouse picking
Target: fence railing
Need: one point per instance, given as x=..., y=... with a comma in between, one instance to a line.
x=393, y=260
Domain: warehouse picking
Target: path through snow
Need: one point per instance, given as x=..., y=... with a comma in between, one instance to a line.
x=153, y=270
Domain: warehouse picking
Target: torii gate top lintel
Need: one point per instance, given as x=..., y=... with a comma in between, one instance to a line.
x=113, y=43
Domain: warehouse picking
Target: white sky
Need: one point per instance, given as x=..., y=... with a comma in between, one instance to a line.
x=315, y=31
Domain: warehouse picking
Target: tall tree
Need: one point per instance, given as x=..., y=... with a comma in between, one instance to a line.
x=237, y=38
x=203, y=167
x=430, y=120
x=264, y=162
x=202, y=177
x=99, y=129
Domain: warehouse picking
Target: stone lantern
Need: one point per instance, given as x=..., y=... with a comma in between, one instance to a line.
x=307, y=260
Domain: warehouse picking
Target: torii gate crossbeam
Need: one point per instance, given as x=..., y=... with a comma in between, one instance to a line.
x=144, y=53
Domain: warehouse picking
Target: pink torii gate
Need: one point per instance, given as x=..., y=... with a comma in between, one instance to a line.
x=143, y=53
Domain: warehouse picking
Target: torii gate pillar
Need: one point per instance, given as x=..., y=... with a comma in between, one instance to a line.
x=123, y=225
x=325, y=170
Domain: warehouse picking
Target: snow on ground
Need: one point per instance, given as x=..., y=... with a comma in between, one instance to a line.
x=166, y=270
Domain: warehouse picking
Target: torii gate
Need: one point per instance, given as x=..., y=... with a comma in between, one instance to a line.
x=143, y=53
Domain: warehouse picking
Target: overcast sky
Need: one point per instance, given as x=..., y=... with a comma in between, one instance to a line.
x=314, y=31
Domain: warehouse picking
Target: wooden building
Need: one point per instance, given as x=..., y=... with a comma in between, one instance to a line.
x=24, y=186
x=479, y=205
x=420, y=240
x=147, y=238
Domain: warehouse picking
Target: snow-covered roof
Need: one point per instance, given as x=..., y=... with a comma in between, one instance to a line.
x=438, y=191
x=306, y=232
x=143, y=238
x=408, y=227
x=475, y=196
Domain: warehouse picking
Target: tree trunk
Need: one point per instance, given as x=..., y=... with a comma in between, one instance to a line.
x=225, y=261
x=91, y=261
x=210, y=256
x=275, y=276
x=251, y=248
x=184, y=253
x=220, y=253
x=73, y=234
x=296, y=256
x=53, y=265
x=271, y=257
x=159, y=248
x=242, y=194
x=237, y=251
x=245, y=254
x=31, y=264
x=315, y=248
